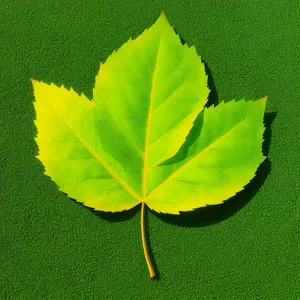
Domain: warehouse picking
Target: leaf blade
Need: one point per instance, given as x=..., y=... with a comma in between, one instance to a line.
x=188, y=185
x=173, y=83
x=72, y=160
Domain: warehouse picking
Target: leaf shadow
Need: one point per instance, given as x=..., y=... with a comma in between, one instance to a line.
x=213, y=94
x=112, y=217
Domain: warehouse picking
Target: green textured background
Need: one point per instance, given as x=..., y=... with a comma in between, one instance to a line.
x=54, y=248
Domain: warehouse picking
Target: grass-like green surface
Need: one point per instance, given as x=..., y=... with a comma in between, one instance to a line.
x=54, y=248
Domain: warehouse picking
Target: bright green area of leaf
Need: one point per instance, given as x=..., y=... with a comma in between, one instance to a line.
x=66, y=140
x=147, y=95
x=139, y=140
x=217, y=164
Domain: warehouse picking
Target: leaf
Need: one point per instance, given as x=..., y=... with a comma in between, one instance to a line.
x=146, y=136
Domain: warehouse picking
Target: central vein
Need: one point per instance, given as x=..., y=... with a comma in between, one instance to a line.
x=147, y=132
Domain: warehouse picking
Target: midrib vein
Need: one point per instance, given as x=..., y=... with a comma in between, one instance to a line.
x=195, y=157
x=109, y=170
x=146, y=152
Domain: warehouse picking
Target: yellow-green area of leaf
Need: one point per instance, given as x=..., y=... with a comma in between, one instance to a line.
x=145, y=137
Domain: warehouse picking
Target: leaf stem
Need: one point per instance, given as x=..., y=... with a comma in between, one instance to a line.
x=144, y=242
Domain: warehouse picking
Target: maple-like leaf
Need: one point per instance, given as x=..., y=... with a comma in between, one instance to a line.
x=146, y=137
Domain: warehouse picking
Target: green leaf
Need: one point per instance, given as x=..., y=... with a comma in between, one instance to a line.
x=146, y=137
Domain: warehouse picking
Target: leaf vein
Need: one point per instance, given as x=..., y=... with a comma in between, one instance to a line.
x=93, y=152
x=146, y=150
x=195, y=157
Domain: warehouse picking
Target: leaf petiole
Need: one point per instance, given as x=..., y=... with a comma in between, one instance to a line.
x=144, y=242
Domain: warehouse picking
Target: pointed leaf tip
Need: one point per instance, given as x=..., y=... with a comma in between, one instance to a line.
x=265, y=98
x=33, y=81
x=163, y=16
